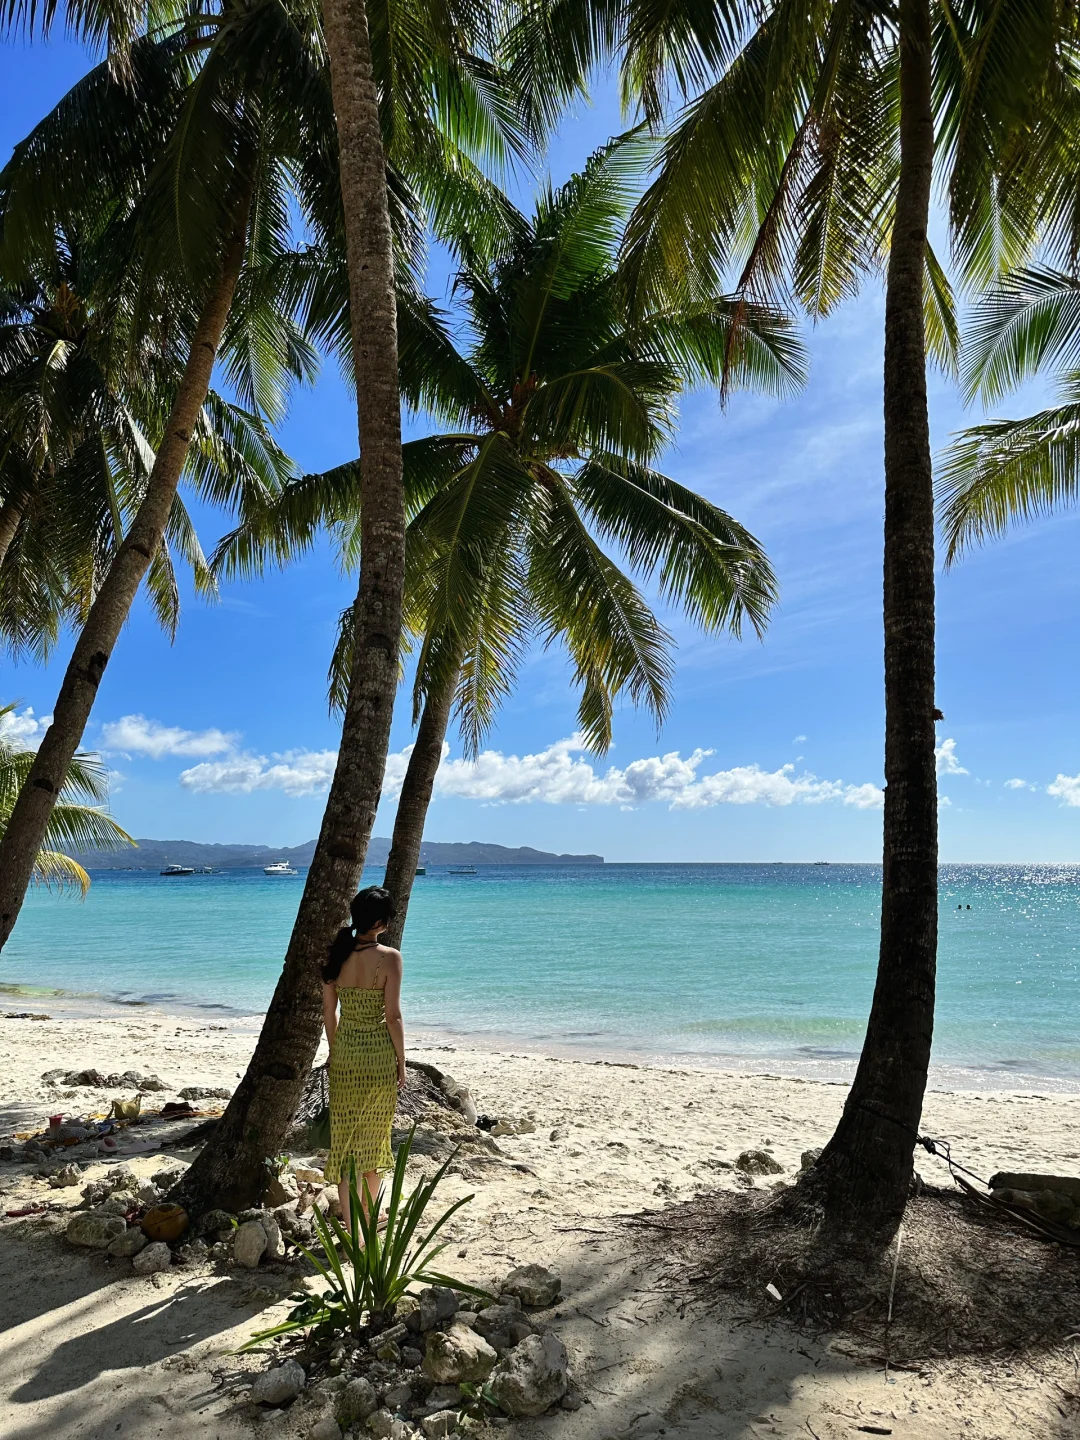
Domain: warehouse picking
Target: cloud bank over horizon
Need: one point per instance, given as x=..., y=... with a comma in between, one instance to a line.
x=560, y=774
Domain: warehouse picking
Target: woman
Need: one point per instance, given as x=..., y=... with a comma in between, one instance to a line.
x=367, y=1046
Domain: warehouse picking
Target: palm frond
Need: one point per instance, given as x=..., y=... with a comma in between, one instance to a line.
x=1008, y=470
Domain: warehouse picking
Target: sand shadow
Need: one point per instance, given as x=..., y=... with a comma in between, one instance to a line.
x=165, y=1325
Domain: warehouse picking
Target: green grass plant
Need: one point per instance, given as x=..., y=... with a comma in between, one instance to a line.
x=368, y=1272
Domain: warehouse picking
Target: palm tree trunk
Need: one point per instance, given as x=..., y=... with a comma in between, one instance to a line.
x=413, y=803
x=865, y=1171
x=230, y=1170
x=11, y=512
x=112, y=604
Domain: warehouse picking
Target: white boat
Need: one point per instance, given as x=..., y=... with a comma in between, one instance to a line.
x=462, y=870
x=280, y=867
x=178, y=870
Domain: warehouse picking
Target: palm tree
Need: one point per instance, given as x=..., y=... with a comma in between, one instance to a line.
x=210, y=124
x=179, y=241
x=556, y=410
x=1006, y=470
x=804, y=161
x=74, y=458
x=73, y=824
x=415, y=111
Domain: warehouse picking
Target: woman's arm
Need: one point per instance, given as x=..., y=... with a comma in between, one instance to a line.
x=392, y=1001
x=329, y=1012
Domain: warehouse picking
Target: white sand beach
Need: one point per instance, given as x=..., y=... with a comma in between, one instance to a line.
x=89, y=1350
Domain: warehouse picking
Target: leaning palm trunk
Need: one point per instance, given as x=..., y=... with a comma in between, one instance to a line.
x=413, y=803
x=112, y=604
x=230, y=1170
x=11, y=512
x=865, y=1171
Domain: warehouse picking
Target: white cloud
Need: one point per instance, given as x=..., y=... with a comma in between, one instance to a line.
x=1066, y=788
x=560, y=775
x=135, y=735
x=296, y=772
x=799, y=739
x=557, y=775
x=947, y=763
x=1018, y=785
x=24, y=730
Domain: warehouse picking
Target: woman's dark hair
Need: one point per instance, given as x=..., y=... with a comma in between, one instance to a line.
x=367, y=909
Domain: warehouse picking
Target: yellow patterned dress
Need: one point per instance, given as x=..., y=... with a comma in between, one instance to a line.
x=363, y=1087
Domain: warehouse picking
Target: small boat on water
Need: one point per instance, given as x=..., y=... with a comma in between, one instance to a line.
x=462, y=870
x=178, y=870
x=280, y=867
x=421, y=869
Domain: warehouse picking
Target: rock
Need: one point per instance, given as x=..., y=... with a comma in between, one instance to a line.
x=121, y=1179
x=275, y=1246
x=437, y=1302
x=411, y=1359
x=325, y=1429
x=169, y=1175
x=388, y=1352
x=439, y=1425
x=534, y=1285
x=401, y=1429
x=407, y=1310
x=69, y=1175
x=129, y=1243
x=758, y=1162
x=281, y=1190
x=144, y=1082
x=458, y=1355
x=204, y=1092
x=155, y=1257
x=532, y=1376
x=96, y=1232
x=116, y=1205
x=356, y=1402
x=808, y=1160
x=91, y=1077
x=249, y=1243
x=296, y=1227
x=380, y=1424
x=494, y=1318
x=396, y=1397
x=216, y=1222
x=276, y=1386
x=571, y=1401
x=306, y=1171
x=148, y=1194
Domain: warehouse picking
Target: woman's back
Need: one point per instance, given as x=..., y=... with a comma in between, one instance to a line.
x=365, y=969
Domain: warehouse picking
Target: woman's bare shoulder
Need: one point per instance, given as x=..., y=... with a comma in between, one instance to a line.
x=390, y=956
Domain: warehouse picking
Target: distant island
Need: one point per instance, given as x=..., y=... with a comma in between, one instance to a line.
x=154, y=854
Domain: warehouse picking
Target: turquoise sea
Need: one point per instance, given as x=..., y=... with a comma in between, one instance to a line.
x=751, y=966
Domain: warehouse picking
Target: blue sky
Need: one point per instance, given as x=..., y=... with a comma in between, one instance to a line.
x=231, y=739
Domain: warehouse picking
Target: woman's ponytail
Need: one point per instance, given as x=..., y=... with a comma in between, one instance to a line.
x=340, y=949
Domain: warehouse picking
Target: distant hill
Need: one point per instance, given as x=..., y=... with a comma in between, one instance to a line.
x=154, y=854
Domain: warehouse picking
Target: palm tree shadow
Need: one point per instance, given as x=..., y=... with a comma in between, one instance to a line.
x=166, y=1325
